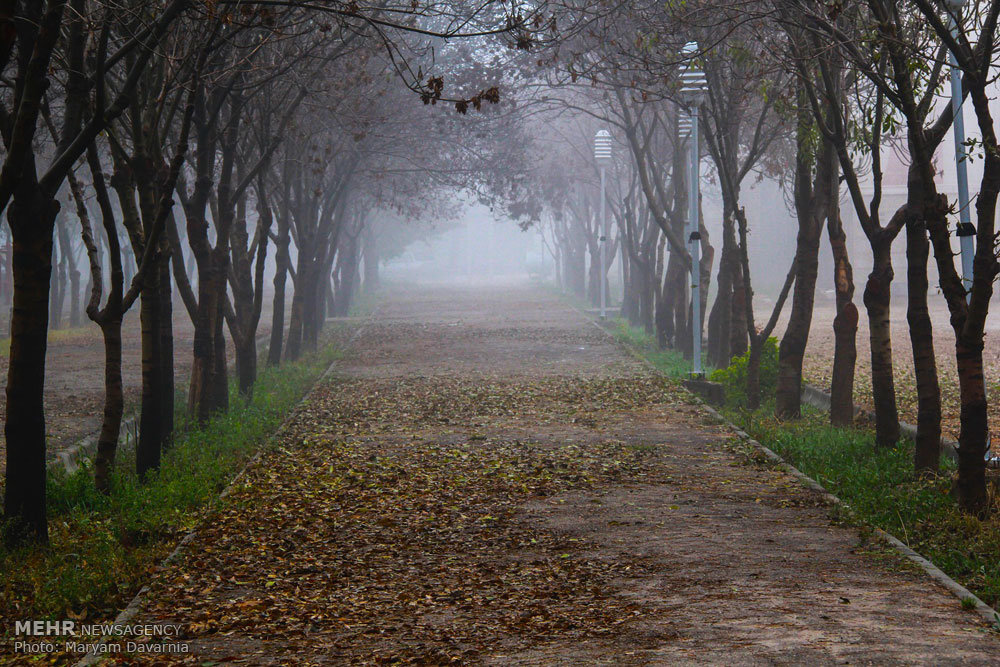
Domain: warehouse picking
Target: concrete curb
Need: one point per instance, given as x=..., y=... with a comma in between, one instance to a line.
x=986, y=612
x=93, y=657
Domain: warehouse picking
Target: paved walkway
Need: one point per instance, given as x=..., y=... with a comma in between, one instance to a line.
x=490, y=479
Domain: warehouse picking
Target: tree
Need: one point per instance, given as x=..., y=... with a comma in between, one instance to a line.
x=35, y=35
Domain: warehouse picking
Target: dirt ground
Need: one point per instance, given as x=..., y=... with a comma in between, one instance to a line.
x=74, y=377
x=489, y=479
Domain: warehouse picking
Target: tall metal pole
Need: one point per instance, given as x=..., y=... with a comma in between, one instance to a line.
x=621, y=269
x=694, y=248
x=966, y=231
x=604, y=250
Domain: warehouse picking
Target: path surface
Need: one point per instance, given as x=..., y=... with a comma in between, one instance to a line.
x=490, y=479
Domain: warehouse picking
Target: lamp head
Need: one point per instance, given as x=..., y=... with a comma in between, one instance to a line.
x=602, y=147
x=694, y=85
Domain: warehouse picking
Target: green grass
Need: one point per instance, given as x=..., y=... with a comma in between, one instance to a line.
x=669, y=362
x=103, y=548
x=879, y=485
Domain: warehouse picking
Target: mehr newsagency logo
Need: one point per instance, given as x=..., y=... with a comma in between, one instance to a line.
x=68, y=636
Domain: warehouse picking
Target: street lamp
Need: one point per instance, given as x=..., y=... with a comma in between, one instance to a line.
x=966, y=231
x=694, y=85
x=602, y=156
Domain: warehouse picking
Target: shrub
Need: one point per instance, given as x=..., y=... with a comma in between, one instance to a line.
x=734, y=377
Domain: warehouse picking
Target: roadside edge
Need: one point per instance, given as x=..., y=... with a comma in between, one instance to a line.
x=986, y=612
x=130, y=611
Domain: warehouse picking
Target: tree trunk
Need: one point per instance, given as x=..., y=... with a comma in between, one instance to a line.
x=204, y=396
x=971, y=485
x=575, y=272
x=114, y=404
x=56, y=291
x=71, y=274
x=371, y=277
x=876, y=298
x=927, y=450
x=220, y=368
x=670, y=302
x=720, y=320
x=704, y=277
x=845, y=356
x=753, y=375
x=166, y=348
x=24, y=491
x=282, y=262
x=147, y=451
x=594, y=275
x=683, y=338
x=300, y=297
x=75, y=310
x=845, y=325
x=738, y=343
x=242, y=327
x=345, y=296
x=246, y=365
x=791, y=351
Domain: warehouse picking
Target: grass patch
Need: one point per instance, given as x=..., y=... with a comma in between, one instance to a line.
x=669, y=362
x=878, y=484
x=103, y=548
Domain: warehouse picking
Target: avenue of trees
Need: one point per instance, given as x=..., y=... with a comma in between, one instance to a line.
x=814, y=96
x=158, y=156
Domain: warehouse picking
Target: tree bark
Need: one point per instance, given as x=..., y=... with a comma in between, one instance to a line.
x=371, y=277
x=166, y=347
x=31, y=219
x=738, y=343
x=813, y=195
x=147, y=451
x=791, y=350
x=753, y=375
x=974, y=432
x=877, y=303
x=927, y=450
x=300, y=297
x=720, y=320
x=114, y=404
x=57, y=287
x=282, y=264
x=205, y=397
x=845, y=324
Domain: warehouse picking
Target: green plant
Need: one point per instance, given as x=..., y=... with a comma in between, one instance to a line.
x=734, y=377
x=669, y=362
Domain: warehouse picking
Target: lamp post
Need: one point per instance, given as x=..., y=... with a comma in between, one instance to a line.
x=693, y=89
x=966, y=231
x=602, y=156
